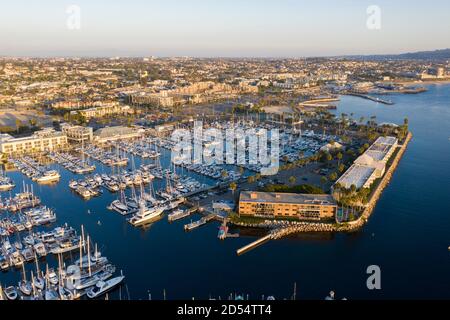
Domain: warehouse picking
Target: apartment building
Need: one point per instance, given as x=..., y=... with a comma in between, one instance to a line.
x=77, y=134
x=44, y=140
x=287, y=205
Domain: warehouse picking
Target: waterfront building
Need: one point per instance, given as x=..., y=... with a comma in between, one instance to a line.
x=371, y=165
x=45, y=140
x=99, y=112
x=287, y=205
x=77, y=134
x=110, y=134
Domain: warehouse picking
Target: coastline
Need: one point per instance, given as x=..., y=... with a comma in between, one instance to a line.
x=280, y=229
x=424, y=82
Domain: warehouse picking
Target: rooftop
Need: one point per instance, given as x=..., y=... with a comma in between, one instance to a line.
x=114, y=131
x=292, y=198
x=357, y=175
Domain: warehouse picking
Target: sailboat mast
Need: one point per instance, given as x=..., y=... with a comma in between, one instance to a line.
x=89, y=257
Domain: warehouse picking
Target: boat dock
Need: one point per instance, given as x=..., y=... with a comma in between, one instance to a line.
x=186, y=213
x=196, y=224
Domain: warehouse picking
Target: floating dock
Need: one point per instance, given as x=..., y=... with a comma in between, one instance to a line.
x=186, y=213
x=196, y=224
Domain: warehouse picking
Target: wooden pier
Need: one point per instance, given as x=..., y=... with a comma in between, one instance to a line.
x=196, y=224
x=254, y=244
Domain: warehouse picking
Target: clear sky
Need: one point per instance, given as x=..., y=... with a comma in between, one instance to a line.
x=226, y=28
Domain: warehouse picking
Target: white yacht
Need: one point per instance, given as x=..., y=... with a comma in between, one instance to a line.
x=119, y=207
x=104, y=286
x=6, y=184
x=145, y=214
x=49, y=177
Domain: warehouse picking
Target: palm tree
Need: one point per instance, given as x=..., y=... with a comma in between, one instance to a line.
x=292, y=180
x=18, y=125
x=339, y=157
x=323, y=181
x=333, y=176
x=224, y=174
x=233, y=187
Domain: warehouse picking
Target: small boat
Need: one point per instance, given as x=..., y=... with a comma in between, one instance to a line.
x=65, y=294
x=104, y=286
x=4, y=264
x=17, y=259
x=40, y=249
x=51, y=294
x=28, y=254
x=39, y=283
x=52, y=277
x=88, y=282
x=120, y=207
x=25, y=287
x=11, y=293
x=18, y=245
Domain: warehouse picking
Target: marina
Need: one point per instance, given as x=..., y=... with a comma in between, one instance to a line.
x=71, y=163
x=22, y=247
x=35, y=171
x=202, y=247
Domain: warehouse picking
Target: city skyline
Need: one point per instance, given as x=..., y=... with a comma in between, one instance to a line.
x=224, y=29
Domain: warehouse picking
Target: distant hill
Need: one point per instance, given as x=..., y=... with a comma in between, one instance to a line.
x=436, y=55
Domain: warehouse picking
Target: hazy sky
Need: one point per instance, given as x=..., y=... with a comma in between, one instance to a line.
x=277, y=28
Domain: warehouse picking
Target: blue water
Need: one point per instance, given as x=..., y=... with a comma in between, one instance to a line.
x=407, y=236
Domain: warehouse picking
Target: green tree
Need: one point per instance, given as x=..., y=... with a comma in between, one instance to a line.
x=333, y=176
x=292, y=180
x=18, y=124
x=233, y=187
x=323, y=181
x=339, y=157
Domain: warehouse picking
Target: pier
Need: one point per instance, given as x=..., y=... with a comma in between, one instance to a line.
x=185, y=214
x=196, y=224
x=366, y=96
x=254, y=244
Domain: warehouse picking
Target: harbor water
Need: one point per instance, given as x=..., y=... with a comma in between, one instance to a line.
x=407, y=237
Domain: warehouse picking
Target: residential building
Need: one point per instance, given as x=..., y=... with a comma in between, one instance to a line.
x=287, y=205
x=77, y=134
x=44, y=140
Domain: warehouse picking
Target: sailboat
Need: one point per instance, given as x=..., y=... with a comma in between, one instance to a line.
x=11, y=293
x=6, y=183
x=50, y=292
x=88, y=259
x=25, y=286
x=38, y=281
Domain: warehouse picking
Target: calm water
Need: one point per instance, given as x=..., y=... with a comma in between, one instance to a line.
x=407, y=236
